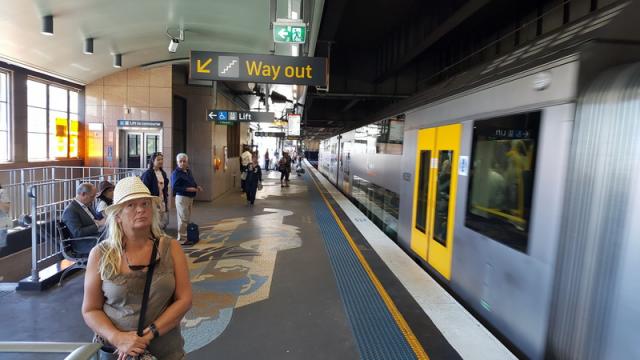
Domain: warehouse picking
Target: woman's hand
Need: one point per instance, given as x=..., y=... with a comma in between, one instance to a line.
x=129, y=343
x=200, y=188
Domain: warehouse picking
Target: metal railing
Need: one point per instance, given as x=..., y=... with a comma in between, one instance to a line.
x=77, y=351
x=48, y=200
x=16, y=182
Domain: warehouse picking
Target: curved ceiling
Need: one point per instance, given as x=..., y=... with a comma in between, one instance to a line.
x=136, y=29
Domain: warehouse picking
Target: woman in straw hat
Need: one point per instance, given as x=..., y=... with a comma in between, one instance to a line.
x=116, y=275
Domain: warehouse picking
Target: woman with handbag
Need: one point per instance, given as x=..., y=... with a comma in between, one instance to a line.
x=155, y=178
x=253, y=180
x=137, y=286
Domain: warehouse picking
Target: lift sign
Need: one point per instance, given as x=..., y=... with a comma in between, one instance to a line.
x=297, y=70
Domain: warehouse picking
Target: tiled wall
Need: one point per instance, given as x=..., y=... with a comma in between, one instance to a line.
x=133, y=94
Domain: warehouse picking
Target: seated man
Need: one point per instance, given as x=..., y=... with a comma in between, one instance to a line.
x=79, y=216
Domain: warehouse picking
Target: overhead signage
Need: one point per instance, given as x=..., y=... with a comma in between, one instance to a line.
x=294, y=124
x=230, y=117
x=269, y=134
x=290, y=32
x=272, y=69
x=139, y=123
x=293, y=137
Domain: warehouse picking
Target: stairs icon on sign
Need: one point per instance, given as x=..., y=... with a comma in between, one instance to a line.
x=229, y=66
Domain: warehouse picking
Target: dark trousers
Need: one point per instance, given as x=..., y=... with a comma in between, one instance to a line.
x=266, y=164
x=251, y=192
x=284, y=175
x=242, y=182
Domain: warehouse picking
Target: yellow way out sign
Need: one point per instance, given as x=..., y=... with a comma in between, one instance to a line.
x=208, y=65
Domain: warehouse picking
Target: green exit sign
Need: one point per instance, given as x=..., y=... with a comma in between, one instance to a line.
x=289, y=33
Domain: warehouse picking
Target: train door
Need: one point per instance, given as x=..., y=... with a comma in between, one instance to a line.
x=434, y=196
x=138, y=146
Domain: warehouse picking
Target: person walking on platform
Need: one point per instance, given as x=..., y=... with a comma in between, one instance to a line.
x=137, y=258
x=266, y=160
x=245, y=159
x=284, y=165
x=185, y=189
x=155, y=178
x=254, y=180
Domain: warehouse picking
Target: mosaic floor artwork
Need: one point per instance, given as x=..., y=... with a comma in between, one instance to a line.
x=231, y=267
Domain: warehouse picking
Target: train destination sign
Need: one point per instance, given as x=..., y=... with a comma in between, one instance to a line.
x=230, y=117
x=297, y=70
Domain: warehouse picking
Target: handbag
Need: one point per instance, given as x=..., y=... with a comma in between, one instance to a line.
x=243, y=176
x=259, y=186
x=108, y=351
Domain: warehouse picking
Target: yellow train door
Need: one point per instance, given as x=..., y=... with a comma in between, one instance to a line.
x=419, y=233
x=435, y=196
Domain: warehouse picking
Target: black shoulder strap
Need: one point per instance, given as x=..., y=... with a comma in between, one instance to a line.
x=147, y=286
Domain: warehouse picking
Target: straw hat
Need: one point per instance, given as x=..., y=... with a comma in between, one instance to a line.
x=104, y=186
x=129, y=188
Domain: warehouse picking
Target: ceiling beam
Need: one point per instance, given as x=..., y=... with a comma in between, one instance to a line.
x=346, y=96
x=453, y=21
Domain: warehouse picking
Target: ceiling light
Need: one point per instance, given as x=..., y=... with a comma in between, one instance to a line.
x=88, y=46
x=173, y=45
x=117, y=60
x=47, y=25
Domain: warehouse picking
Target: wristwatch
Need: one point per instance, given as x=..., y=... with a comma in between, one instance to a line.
x=154, y=330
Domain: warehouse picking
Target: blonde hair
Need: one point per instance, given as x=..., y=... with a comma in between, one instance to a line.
x=112, y=247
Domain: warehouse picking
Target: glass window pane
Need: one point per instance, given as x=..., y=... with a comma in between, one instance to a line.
x=501, y=181
x=423, y=190
x=36, y=120
x=4, y=146
x=3, y=86
x=36, y=94
x=73, y=137
x=443, y=189
x=59, y=134
x=4, y=116
x=73, y=102
x=58, y=99
x=37, y=146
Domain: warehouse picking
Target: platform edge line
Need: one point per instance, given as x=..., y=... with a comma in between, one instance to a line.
x=395, y=313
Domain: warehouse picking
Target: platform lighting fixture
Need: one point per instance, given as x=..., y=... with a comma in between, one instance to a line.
x=88, y=46
x=47, y=25
x=117, y=60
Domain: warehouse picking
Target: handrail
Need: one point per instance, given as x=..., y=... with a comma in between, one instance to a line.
x=85, y=352
x=49, y=347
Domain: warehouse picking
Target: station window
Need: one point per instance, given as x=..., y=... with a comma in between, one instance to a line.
x=501, y=178
x=52, y=121
x=5, y=140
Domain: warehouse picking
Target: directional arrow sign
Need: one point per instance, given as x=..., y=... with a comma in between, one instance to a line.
x=290, y=33
x=202, y=67
x=258, y=68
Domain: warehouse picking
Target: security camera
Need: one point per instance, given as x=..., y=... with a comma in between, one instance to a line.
x=173, y=45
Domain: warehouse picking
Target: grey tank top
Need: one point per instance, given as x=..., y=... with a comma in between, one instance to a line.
x=123, y=300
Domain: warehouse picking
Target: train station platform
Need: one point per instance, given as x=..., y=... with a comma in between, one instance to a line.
x=301, y=275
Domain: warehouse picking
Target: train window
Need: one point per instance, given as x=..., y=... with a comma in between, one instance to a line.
x=443, y=187
x=501, y=178
x=423, y=190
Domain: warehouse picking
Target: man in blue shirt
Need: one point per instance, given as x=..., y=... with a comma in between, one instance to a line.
x=185, y=189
